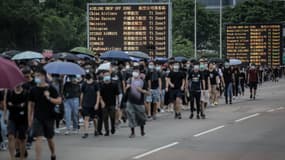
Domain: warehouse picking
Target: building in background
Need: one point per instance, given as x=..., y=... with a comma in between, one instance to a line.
x=215, y=4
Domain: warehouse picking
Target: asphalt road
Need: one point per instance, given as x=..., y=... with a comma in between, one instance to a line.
x=246, y=130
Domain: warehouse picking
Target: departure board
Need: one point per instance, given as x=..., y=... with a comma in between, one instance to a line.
x=259, y=44
x=129, y=27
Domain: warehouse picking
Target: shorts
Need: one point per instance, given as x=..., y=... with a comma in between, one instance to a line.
x=89, y=112
x=43, y=128
x=253, y=85
x=17, y=130
x=175, y=93
x=205, y=97
x=154, y=97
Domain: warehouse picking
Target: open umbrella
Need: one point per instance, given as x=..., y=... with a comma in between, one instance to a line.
x=11, y=76
x=115, y=55
x=84, y=56
x=104, y=67
x=180, y=59
x=82, y=50
x=135, y=59
x=28, y=55
x=234, y=62
x=138, y=54
x=66, y=56
x=65, y=68
x=161, y=59
x=10, y=53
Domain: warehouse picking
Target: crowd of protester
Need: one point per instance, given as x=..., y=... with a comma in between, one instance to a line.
x=133, y=92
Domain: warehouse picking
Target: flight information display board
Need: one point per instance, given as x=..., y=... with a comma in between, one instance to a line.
x=260, y=44
x=129, y=27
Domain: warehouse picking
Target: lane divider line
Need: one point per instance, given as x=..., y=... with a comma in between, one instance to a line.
x=271, y=110
x=208, y=131
x=248, y=117
x=155, y=150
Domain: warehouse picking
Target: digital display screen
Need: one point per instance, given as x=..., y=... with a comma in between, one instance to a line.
x=259, y=44
x=129, y=27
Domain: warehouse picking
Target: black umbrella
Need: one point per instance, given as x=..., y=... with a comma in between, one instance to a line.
x=216, y=60
x=66, y=56
x=10, y=53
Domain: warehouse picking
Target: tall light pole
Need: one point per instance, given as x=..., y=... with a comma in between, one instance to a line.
x=195, y=29
x=221, y=28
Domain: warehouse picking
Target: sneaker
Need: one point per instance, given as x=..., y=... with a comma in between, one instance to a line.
x=113, y=131
x=96, y=133
x=149, y=118
x=203, y=116
x=175, y=116
x=179, y=116
x=198, y=117
x=253, y=97
x=142, y=133
x=81, y=120
x=191, y=116
x=85, y=136
x=215, y=103
x=57, y=131
x=28, y=146
x=132, y=136
x=162, y=110
x=107, y=134
x=250, y=96
x=66, y=133
x=212, y=104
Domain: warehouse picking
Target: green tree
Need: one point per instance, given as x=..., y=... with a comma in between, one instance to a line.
x=182, y=47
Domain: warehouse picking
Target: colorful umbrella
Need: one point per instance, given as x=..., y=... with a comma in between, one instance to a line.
x=64, y=68
x=115, y=55
x=28, y=55
x=82, y=50
x=11, y=76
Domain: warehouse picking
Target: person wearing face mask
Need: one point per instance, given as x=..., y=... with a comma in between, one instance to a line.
x=252, y=79
x=89, y=103
x=214, y=81
x=16, y=103
x=242, y=81
x=71, y=94
x=206, y=88
x=109, y=93
x=195, y=85
x=153, y=80
x=175, y=85
x=227, y=80
x=136, y=89
x=42, y=101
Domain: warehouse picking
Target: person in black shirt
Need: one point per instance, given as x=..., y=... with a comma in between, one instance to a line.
x=110, y=96
x=153, y=79
x=214, y=81
x=195, y=82
x=175, y=86
x=236, y=82
x=16, y=103
x=206, y=89
x=242, y=80
x=71, y=93
x=227, y=79
x=89, y=100
x=42, y=101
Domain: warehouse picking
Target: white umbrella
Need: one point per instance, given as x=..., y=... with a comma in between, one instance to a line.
x=235, y=62
x=104, y=67
x=27, y=55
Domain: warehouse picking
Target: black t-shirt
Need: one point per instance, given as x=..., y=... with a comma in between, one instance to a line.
x=242, y=77
x=89, y=94
x=117, y=78
x=71, y=90
x=18, y=110
x=28, y=86
x=228, y=76
x=108, y=93
x=1, y=96
x=205, y=76
x=153, y=77
x=195, y=81
x=213, y=77
x=44, y=109
x=176, y=78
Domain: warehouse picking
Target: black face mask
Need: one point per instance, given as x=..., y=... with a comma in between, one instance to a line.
x=88, y=76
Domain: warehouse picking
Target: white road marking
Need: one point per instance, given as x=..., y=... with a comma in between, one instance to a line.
x=280, y=108
x=208, y=131
x=271, y=110
x=155, y=150
x=245, y=118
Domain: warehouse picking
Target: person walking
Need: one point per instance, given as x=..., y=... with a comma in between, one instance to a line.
x=42, y=101
x=89, y=103
x=71, y=93
x=214, y=79
x=252, y=81
x=16, y=103
x=227, y=80
x=109, y=92
x=135, y=90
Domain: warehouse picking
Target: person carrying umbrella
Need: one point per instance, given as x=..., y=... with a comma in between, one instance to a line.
x=42, y=101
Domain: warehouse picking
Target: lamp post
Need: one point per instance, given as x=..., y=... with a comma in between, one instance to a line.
x=221, y=29
x=195, y=29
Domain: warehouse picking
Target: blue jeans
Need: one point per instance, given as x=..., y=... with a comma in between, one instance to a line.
x=229, y=91
x=3, y=130
x=71, y=107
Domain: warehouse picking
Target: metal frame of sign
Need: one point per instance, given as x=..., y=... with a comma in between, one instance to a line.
x=169, y=4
